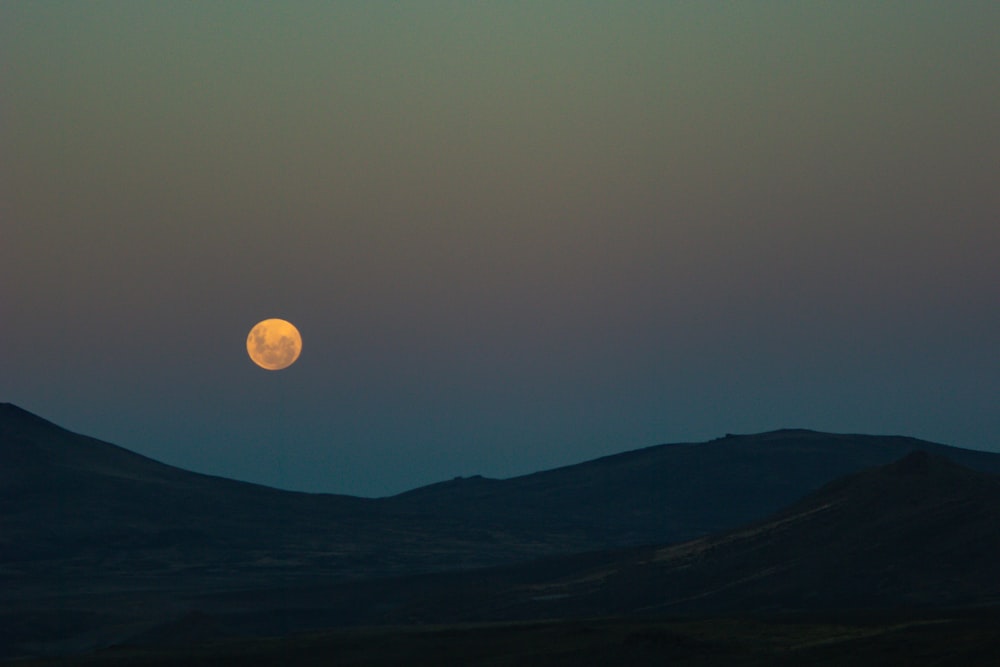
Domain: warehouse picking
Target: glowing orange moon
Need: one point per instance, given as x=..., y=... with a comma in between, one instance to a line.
x=274, y=344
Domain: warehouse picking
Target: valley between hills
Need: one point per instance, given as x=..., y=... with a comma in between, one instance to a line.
x=791, y=545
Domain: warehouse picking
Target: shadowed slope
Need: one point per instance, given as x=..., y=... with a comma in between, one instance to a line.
x=91, y=514
x=918, y=532
x=88, y=528
x=675, y=492
x=67, y=500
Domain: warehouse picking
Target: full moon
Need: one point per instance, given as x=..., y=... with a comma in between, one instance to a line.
x=274, y=344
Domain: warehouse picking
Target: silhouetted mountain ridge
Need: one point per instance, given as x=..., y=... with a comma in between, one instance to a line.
x=86, y=526
x=34, y=445
x=917, y=533
x=109, y=509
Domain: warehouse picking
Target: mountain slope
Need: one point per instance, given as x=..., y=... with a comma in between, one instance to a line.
x=675, y=492
x=97, y=542
x=110, y=517
x=918, y=532
x=66, y=497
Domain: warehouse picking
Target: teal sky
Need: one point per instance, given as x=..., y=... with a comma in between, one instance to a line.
x=513, y=235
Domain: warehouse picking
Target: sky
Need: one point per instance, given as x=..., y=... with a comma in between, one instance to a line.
x=513, y=235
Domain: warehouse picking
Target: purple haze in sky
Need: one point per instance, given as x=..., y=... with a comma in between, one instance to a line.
x=512, y=236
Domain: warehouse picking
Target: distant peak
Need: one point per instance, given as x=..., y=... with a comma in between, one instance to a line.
x=774, y=435
x=779, y=434
x=793, y=431
x=9, y=409
x=13, y=415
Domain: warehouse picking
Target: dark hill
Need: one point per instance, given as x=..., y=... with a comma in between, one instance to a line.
x=70, y=501
x=675, y=492
x=920, y=532
x=913, y=536
x=84, y=519
x=122, y=517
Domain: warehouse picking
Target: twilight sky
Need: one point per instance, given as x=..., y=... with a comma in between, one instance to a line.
x=513, y=235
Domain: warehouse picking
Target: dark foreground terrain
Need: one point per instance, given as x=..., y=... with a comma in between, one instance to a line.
x=968, y=639
x=110, y=558
x=81, y=516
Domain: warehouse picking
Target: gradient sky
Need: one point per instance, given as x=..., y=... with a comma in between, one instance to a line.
x=513, y=235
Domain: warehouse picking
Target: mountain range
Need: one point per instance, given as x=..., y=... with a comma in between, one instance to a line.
x=779, y=521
